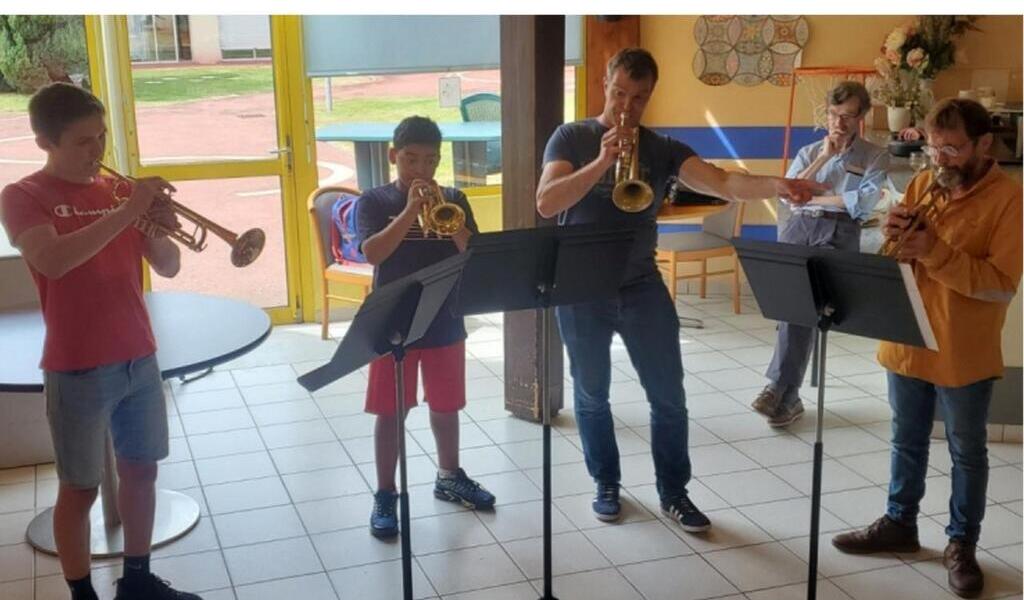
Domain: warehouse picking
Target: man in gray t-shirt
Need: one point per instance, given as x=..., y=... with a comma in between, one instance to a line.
x=576, y=184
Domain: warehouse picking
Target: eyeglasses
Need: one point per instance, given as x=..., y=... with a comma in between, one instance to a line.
x=845, y=118
x=949, y=150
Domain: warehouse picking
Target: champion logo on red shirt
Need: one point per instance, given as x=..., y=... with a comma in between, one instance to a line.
x=67, y=211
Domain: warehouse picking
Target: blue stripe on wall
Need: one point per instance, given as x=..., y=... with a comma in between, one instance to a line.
x=742, y=142
x=750, y=232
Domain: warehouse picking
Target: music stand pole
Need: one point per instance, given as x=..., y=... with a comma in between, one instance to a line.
x=398, y=352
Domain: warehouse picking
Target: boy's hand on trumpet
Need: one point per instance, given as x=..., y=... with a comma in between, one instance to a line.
x=161, y=213
x=146, y=191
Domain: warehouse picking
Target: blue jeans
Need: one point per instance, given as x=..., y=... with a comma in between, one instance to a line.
x=966, y=413
x=645, y=317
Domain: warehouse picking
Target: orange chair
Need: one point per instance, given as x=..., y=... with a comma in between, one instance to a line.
x=320, y=203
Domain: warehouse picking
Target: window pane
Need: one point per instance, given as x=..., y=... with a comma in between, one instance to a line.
x=230, y=106
x=19, y=155
x=238, y=205
x=371, y=106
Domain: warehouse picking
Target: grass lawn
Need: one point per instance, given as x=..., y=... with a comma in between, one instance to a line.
x=167, y=86
x=14, y=103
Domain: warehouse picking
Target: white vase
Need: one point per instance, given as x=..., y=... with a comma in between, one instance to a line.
x=926, y=87
x=899, y=118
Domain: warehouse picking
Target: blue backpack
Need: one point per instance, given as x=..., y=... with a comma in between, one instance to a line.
x=344, y=234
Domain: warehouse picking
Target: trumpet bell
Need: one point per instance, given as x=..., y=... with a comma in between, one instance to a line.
x=632, y=195
x=447, y=218
x=248, y=247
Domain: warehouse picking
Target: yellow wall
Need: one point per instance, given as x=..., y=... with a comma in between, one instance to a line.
x=681, y=100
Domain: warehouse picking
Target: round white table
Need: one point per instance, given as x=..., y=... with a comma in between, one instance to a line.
x=193, y=334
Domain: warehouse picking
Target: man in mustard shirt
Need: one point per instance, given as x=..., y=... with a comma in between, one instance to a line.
x=967, y=266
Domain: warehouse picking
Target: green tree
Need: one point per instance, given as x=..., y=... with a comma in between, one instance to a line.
x=39, y=49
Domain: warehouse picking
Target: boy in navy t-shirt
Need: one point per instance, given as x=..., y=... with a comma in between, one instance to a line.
x=393, y=241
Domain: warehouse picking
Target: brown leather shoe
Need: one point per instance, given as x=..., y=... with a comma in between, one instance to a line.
x=884, y=535
x=965, y=577
x=767, y=402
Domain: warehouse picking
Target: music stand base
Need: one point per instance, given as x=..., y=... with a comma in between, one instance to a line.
x=176, y=514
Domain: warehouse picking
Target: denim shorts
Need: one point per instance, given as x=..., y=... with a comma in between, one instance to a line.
x=125, y=398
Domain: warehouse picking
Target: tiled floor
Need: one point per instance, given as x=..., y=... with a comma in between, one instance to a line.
x=284, y=480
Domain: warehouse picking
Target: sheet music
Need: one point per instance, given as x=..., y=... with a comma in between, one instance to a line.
x=920, y=314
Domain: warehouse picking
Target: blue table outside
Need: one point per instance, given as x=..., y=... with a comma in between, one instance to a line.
x=468, y=139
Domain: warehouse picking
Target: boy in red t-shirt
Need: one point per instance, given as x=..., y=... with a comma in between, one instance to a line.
x=100, y=371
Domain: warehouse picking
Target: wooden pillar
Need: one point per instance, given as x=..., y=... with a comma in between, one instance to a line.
x=532, y=93
x=606, y=35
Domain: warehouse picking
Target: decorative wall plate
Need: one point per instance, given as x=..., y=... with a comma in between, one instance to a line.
x=748, y=50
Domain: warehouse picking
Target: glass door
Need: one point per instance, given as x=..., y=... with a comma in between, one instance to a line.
x=206, y=106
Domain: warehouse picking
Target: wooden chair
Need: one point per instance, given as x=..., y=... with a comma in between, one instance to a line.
x=699, y=246
x=320, y=203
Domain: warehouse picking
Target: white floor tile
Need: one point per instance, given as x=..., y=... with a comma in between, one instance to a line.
x=326, y=483
x=354, y=547
x=448, y=532
x=307, y=587
x=637, y=542
x=571, y=552
x=379, y=581
x=872, y=585
x=758, y=567
x=260, y=525
x=470, y=569
x=606, y=584
x=524, y=520
x=750, y=487
x=272, y=560
x=791, y=518
x=682, y=578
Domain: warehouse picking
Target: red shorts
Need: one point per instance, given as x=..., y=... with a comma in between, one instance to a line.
x=444, y=380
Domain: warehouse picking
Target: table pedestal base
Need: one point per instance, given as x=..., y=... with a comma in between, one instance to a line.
x=176, y=514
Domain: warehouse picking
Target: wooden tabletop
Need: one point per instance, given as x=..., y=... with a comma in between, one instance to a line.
x=678, y=212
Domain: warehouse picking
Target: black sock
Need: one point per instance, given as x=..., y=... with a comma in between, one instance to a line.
x=81, y=589
x=136, y=567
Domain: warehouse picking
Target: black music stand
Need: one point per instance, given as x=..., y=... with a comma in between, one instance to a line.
x=391, y=319
x=538, y=269
x=859, y=294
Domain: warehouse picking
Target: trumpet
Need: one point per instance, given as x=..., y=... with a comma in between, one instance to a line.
x=245, y=248
x=630, y=194
x=438, y=215
x=932, y=206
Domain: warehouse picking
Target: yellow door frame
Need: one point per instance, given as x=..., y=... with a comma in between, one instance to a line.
x=293, y=107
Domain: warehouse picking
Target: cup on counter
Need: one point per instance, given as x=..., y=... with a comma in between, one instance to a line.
x=918, y=161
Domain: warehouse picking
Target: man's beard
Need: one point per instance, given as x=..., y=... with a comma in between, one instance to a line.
x=970, y=171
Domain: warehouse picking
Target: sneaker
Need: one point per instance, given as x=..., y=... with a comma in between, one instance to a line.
x=766, y=402
x=686, y=514
x=150, y=587
x=965, y=577
x=384, y=518
x=786, y=414
x=884, y=535
x=606, y=504
x=463, y=490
